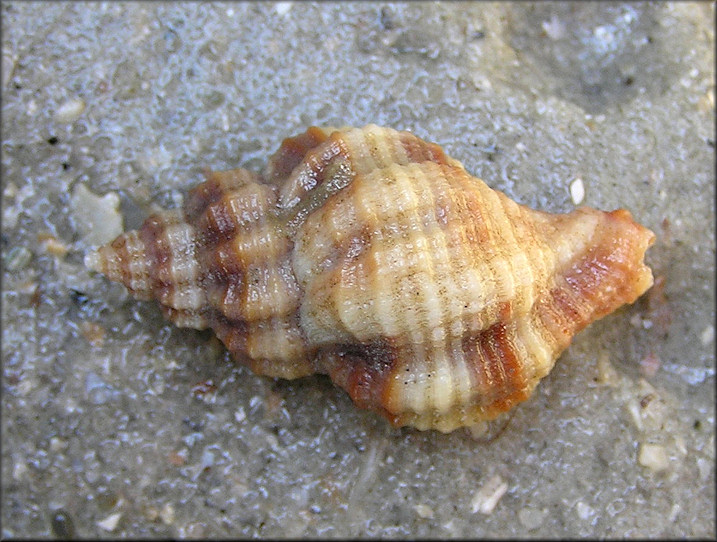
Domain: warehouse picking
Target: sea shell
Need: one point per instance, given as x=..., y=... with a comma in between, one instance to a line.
x=371, y=256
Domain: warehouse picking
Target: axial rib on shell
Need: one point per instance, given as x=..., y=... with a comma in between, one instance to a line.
x=371, y=256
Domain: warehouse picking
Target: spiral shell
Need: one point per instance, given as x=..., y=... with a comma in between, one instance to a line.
x=371, y=256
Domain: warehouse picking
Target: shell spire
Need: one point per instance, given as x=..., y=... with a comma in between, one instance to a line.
x=372, y=256
x=158, y=261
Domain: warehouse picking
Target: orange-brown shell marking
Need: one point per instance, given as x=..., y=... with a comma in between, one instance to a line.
x=371, y=256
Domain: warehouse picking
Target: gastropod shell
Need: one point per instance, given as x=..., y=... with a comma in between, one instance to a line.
x=369, y=255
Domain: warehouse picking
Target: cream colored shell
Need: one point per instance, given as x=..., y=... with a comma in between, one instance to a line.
x=369, y=255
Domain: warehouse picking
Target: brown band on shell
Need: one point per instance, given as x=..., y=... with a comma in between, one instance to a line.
x=242, y=250
x=158, y=252
x=496, y=368
x=334, y=229
x=500, y=349
x=305, y=191
x=600, y=280
x=250, y=279
x=126, y=262
x=216, y=185
x=344, y=155
x=363, y=370
x=417, y=150
x=292, y=152
x=236, y=212
x=233, y=333
x=274, y=346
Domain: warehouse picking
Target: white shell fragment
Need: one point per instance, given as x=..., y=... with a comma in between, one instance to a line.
x=577, y=191
x=424, y=511
x=70, y=111
x=97, y=218
x=654, y=457
x=584, y=510
x=110, y=522
x=708, y=335
x=282, y=8
x=487, y=497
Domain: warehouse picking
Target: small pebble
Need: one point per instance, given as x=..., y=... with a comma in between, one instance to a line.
x=9, y=192
x=654, y=457
x=451, y=527
x=272, y=441
x=649, y=365
x=577, y=191
x=69, y=111
x=607, y=374
x=674, y=511
x=680, y=444
x=478, y=430
x=110, y=522
x=166, y=514
x=240, y=415
x=282, y=8
x=151, y=513
x=487, y=497
x=97, y=218
x=706, y=103
x=57, y=444
x=25, y=386
x=108, y=500
x=52, y=245
x=708, y=335
x=19, y=471
x=207, y=459
x=584, y=511
x=424, y=511
x=633, y=407
x=27, y=287
x=531, y=518
x=62, y=526
x=705, y=468
x=93, y=333
x=554, y=29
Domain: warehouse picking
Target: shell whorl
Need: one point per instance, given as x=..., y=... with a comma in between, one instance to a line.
x=371, y=256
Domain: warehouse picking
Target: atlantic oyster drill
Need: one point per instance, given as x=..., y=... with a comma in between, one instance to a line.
x=370, y=256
